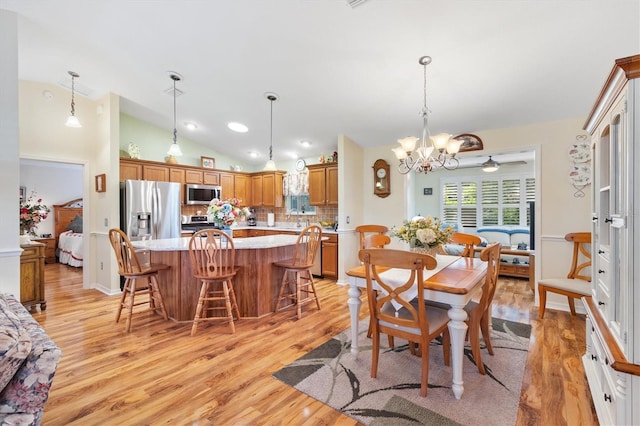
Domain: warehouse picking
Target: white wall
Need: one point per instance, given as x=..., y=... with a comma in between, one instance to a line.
x=9, y=225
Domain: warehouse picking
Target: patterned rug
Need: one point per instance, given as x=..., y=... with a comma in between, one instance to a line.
x=333, y=376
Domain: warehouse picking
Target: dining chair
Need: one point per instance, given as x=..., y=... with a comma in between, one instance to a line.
x=140, y=280
x=367, y=230
x=469, y=241
x=575, y=285
x=376, y=241
x=392, y=311
x=297, y=282
x=479, y=312
x=212, y=253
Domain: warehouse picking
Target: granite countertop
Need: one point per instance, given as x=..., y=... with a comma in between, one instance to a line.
x=182, y=244
x=284, y=228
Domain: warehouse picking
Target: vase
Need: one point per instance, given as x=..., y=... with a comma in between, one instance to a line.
x=433, y=251
x=25, y=239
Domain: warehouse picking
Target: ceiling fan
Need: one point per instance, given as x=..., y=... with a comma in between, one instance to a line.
x=479, y=164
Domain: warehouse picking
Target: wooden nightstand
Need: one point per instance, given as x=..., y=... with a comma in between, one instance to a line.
x=49, y=249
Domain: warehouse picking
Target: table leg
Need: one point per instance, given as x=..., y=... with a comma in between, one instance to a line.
x=458, y=332
x=354, y=303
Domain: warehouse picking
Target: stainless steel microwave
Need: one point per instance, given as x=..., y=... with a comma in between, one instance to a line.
x=201, y=194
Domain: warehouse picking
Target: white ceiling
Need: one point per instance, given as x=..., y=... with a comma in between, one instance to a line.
x=337, y=69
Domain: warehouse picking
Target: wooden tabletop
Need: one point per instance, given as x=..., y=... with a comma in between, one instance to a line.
x=461, y=277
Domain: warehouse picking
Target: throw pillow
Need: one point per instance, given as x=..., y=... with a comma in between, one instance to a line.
x=76, y=224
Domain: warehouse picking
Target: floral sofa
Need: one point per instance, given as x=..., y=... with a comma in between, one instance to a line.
x=28, y=361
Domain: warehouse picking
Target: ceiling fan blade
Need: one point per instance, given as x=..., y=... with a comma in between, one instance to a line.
x=506, y=163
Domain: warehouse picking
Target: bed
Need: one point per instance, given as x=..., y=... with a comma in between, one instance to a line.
x=68, y=232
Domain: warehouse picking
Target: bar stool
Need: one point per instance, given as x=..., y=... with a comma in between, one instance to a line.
x=212, y=254
x=129, y=267
x=297, y=271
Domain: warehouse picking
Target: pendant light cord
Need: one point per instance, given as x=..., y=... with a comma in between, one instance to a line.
x=175, y=130
x=271, y=131
x=73, y=91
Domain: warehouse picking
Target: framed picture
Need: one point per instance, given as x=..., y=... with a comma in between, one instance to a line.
x=208, y=162
x=469, y=142
x=101, y=183
x=23, y=193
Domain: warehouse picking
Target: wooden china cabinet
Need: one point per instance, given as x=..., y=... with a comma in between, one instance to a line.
x=612, y=359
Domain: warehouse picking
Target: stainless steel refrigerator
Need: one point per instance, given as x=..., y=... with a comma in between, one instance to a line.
x=150, y=210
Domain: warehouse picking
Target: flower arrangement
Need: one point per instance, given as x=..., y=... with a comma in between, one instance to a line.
x=226, y=212
x=427, y=232
x=32, y=212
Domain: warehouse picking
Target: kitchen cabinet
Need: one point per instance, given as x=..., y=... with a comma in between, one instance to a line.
x=130, y=170
x=32, y=275
x=194, y=176
x=266, y=189
x=177, y=175
x=211, y=178
x=227, y=182
x=612, y=358
x=154, y=172
x=323, y=184
x=330, y=255
x=242, y=185
x=49, y=249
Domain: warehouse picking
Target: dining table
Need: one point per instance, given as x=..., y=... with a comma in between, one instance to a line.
x=454, y=281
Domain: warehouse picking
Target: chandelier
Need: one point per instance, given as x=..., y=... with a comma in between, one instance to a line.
x=433, y=152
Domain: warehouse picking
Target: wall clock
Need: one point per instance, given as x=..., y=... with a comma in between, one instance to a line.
x=381, y=179
x=300, y=165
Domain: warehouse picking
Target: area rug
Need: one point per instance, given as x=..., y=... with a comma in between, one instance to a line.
x=332, y=375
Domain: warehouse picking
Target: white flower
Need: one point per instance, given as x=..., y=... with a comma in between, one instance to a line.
x=426, y=236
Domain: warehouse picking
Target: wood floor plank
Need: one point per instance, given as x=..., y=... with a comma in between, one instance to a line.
x=159, y=374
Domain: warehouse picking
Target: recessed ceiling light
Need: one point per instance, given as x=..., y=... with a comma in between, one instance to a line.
x=190, y=126
x=306, y=144
x=238, y=127
x=254, y=154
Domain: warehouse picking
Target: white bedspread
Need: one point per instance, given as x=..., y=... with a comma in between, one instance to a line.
x=70, y=248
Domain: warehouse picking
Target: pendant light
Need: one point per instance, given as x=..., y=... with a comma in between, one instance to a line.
x=271, y=165
x=72, y=120
x=490, y=165
x=174, y=149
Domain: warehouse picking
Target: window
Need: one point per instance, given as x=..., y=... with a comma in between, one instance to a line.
x=299, y=204
x=481, y=201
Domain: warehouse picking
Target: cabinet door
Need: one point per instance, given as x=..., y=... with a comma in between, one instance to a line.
x=316, y=187
x=130, y=170
x=243, y=189
x=211, y=178
x=157, y=173
x=228, y=185
x=256, y=191
x=194, y=176
x=268, y=190
x=330, y=258
x=32, y=275
x=176, y=175
x=331, y=185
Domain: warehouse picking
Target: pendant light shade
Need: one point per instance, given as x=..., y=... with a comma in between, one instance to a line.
x=490, y=165
x=271, y=165
x=174, y=149
x=72, y=120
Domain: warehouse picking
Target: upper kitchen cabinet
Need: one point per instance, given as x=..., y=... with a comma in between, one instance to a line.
x=243, y=189
x=228, y=184
x=130, y=170
x=323, y=184
x=154, y=172
x=266, y=189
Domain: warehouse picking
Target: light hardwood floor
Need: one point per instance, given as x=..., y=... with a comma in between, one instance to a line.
x=159, y=374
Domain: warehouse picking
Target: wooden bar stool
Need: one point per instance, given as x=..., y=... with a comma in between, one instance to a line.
x=129, y=267
x=297, y=278
x=212, y=254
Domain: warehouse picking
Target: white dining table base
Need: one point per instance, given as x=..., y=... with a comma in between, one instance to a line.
x=457, y=325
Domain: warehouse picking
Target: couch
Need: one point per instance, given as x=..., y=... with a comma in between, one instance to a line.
x=28, y=361
x=509, y=237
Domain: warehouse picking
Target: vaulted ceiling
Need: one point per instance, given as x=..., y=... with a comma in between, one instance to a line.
x=337, y=69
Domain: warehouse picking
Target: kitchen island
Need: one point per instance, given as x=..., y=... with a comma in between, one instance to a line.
x=256, y=284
